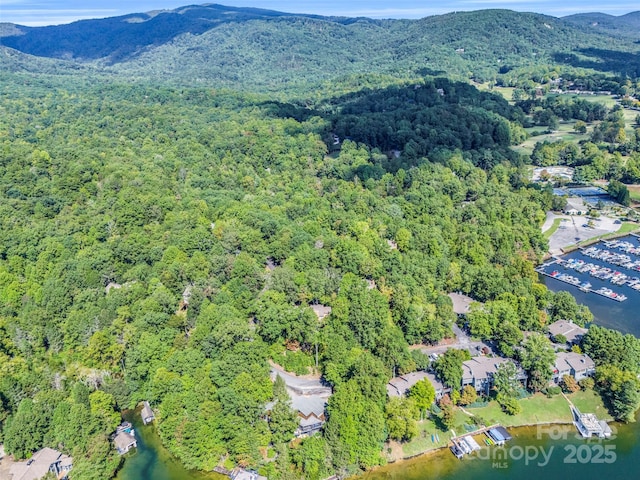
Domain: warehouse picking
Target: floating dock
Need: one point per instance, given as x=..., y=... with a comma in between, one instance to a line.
x=574, y=281
x=465, y=444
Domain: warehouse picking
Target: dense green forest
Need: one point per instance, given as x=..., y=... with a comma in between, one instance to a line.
x=262, y=50
x=157, y=189
x=165, y=242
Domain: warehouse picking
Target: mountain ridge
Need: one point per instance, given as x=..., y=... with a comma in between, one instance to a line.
x=266, y=50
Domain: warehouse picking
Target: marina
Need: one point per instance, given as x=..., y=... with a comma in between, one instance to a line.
x=610, y=269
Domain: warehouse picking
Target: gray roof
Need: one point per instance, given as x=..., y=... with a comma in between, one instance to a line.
x=123, y=441
x=308, y=405
x=460, y=303
x=481, y=367
x=301, y=385
x=398, y=386
x=575, y=203
x=146, y=411
x=308, y=395
x=572, y=360
x=321, y=310
x=568, y=329
x=38, y=465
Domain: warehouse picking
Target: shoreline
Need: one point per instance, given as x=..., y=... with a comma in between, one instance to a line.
x=438, y=450
x=431, y=451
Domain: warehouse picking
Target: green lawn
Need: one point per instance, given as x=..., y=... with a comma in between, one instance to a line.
x=556, y=224
x=564, y=132
x=628, y=227
x=536, y=409
x=540, y=409
x=422, y=442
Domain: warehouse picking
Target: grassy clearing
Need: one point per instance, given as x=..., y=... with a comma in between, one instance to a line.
x=564, y=132
x=634, y=192
x=422, y=442
x=537, y=409
x=556, y=224
x=628, y=227
x=540, y=409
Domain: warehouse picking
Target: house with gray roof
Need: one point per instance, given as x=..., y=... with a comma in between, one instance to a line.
x=461, y=303
x=575, y=206
x=400, y=386
x=40, y=464
x=574, y=364
x=147, y=413
x=569, y=330
x=479, y=371
x=309, y=397
x=124, y=441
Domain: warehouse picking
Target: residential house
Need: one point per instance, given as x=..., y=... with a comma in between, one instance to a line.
x=478, y=372
x=400, y=386
x=146, y=413
x=576, y=365
x=309, y=398
x=40, y=464
x=569, y=330
x=461, y=303
x=321, y=311
x=124, y=441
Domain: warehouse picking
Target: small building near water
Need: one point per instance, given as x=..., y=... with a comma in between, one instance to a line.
x=146, y=413
x=124, y=441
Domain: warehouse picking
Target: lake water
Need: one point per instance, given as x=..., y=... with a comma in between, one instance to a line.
x=151, y=461
x=545, y=452
x=622, y=316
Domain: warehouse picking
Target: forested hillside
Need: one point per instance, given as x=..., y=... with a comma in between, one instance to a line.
x=263, y=50
x=179, y=189
x=157, y=190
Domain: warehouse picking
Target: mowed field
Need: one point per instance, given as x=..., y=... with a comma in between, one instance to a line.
x=565, y=132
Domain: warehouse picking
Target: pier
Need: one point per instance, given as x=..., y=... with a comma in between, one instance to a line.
x=601, y=273
x=465, y=444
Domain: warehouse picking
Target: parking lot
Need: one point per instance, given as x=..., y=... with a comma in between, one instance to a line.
x=574, y=229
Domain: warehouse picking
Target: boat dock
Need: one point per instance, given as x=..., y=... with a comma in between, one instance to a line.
x=602, y=273
x=588, y=424
x=465, y=444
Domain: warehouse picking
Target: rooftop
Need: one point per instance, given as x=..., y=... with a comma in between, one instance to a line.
x=123, y=440
x=38, y=465
x=321, y=310
x=573, y=360
x=568, y=329
x=460, y=303
x=482, y=367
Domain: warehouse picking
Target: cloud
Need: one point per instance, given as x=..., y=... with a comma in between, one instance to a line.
x=40, y=17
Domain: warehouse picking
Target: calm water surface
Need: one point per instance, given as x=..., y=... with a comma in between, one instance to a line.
x=151, y=461
x=622, y=316
x=544, y=453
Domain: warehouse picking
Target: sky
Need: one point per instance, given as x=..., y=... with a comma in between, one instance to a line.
x=54, y=12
